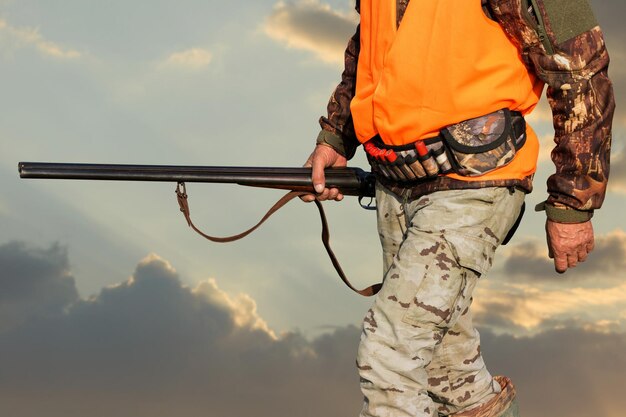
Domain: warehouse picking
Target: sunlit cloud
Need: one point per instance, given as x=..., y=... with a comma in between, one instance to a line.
x=524, y=294
x=191, y=59
x=533, y=308
x=244, y=308
x=311, y=26
x=13, y=37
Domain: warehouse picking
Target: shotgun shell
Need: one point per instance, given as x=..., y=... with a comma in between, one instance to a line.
x=428, y=162
x=403, y=158
x=392, y=159
x=390, y=156
x=422, y=150
x=440, y=155
x=384, y=165
x=411, y=159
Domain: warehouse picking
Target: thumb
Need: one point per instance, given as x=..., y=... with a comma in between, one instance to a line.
x=319, y=180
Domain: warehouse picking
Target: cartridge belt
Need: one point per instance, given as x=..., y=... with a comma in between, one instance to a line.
x=415, y=161
x=469, y=148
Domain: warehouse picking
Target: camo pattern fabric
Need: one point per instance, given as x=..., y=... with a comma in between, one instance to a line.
x=579, y=91
x=401, y=6
x=420, y=353
x=503, y=405
x=481, y=147
x=582, y=101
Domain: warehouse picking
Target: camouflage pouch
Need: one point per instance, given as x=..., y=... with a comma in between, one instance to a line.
x=483, y=144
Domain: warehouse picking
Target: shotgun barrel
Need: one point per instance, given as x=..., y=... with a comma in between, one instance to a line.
x=350, y=181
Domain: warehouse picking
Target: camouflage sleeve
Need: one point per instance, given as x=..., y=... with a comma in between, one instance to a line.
x=337, y=127
x=561, y=41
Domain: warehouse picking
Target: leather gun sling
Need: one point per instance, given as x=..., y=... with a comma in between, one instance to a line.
x=181, y=196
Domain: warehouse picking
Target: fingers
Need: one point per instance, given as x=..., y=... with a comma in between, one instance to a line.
x=334, y=194
x=330, y=194
x=564, y=261
x=560, y=263
x=326, y=194
x=321, y=158
x=582, y=255
x=572, y=260
x=569, y=244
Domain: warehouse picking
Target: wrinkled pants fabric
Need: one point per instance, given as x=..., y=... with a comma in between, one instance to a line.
x=420, y=353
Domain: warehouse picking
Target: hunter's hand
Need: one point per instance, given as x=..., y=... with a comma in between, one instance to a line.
x=569, y=243
x=324, y=157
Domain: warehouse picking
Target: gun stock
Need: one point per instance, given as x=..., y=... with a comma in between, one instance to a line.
x=351, y=181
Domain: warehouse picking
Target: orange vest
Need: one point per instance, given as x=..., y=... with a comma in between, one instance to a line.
x=447, y=62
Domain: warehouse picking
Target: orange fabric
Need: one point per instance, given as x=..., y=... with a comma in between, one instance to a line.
x=447, y=62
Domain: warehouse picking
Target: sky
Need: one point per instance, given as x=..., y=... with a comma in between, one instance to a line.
x=111, y=305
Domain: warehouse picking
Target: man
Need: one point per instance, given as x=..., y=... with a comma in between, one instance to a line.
x=425, y=75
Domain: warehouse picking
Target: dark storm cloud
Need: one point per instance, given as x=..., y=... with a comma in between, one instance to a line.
x=498, y=315
x=33, y=282
x=152, y=347
x=528, y=261
x=159, y=348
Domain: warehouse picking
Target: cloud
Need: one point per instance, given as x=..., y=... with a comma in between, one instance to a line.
x=617, y=178
x=152, y=346
x=528, y=261
x=524, y=295
x=568, y=372
x=159, y=348
x=13, y=37
x=192, y=59
x=526, y=309
x=311, y=26
x=33, y=283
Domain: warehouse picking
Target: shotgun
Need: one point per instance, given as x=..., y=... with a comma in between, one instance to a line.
x=350, y=181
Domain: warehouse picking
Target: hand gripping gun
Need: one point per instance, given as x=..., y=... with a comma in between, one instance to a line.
x=350, y=181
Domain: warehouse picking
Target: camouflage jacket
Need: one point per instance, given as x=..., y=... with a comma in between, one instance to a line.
x=560, y=41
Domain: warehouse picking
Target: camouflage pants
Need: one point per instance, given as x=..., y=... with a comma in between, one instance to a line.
x=420, y=353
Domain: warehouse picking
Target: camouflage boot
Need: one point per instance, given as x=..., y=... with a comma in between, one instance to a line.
x=503, y=405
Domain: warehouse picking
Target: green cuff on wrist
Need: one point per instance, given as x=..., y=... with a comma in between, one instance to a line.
x=564, y=214
x=334, y=141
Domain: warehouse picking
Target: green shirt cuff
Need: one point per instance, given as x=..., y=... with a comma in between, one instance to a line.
x=336, y=142
x=565, y=214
